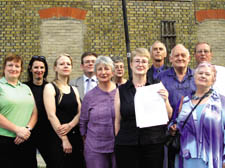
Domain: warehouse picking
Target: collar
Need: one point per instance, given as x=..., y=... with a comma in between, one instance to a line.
x=4, y=81
x=171, y=72
x=160, y=68
x=93, y=78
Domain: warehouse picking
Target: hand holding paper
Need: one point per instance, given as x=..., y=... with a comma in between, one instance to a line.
x=150, y=108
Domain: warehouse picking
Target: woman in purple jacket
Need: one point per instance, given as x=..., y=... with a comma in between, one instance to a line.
x=97, y=118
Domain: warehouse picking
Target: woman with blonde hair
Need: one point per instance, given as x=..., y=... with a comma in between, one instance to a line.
x=63, y=105
x=137, y=147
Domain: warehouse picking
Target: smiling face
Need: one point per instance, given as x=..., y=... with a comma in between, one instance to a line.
x=180, y=57
x=12, y=70
x=140, y=65
x=104, y=73
x=204, y=76
x=63, y=66
x=38, y=70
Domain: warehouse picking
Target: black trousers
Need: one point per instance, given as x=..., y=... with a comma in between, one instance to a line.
x=39, y=140
x=59, y=159
x=12, y=155
x=140, y=156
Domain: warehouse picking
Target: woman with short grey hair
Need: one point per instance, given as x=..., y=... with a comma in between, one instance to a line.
x=97, y=118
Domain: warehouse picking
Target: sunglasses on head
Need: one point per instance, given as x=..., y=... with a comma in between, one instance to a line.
x=38, y=57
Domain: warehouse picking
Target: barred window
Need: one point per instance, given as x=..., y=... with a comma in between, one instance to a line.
x=168, y=36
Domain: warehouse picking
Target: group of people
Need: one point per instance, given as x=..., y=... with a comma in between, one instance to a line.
x=90, y=121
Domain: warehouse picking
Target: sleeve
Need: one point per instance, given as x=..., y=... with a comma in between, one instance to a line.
x=223, y=119
x=84, y=116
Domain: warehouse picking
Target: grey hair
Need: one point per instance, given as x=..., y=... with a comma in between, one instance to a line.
x=181, y=45
x=103, y=60
x=156, y=42
x=117, y=59
x=207, y=64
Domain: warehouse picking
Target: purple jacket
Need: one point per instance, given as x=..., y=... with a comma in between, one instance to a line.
x=97, y=120
x=203, y=137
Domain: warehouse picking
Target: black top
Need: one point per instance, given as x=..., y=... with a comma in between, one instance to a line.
x=66, y=109
x=43, y=122
x=129, y=133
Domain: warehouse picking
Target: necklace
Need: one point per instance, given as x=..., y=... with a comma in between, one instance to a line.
x=194, y=97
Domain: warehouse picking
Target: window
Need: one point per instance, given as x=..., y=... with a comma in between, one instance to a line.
x=168, y=36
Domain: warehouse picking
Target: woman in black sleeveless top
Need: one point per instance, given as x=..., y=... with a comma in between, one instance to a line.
x=62, y=104
x=137, y=147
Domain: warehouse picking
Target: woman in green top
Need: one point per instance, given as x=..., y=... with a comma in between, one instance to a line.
x=18, y=115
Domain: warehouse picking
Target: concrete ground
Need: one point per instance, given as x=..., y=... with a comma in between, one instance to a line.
x=41, y=162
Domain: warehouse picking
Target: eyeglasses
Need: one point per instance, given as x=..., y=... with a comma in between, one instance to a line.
x=203, y=51
x=38, y=57
x=143, y=61
x=89, y=61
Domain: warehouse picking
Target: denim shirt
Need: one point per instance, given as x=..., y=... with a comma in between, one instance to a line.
x=176, y=88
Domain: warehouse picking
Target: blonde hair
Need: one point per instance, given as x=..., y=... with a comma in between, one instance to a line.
x=56, y=81
x=143, y=52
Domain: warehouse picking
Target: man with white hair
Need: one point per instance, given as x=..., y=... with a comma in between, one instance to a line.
x=179, y=81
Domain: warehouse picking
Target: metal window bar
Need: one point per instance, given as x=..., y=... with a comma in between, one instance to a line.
x=168, y=36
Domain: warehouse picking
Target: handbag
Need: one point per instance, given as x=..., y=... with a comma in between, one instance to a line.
x=173, y=141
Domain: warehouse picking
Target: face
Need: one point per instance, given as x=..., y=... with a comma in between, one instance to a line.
x=139, y=65
x=203, y=53
x=204, y=77
x=158, y=52
x=119, y=69
x=64, y=66
x=104, y=73
x=180, y=58
x=38, y=70
x=12, y=69
x=88, y=64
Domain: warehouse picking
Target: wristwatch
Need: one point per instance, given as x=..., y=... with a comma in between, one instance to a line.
x=27, y=127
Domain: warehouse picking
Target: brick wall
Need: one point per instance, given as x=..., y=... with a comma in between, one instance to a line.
x=22, y=29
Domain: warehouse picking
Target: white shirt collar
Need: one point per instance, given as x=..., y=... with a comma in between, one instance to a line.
x=93, y=78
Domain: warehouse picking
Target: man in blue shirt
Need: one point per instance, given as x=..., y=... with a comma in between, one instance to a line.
x=158, y=54
x=179, y=81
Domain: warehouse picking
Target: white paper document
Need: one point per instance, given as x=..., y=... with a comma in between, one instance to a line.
x=150, y=108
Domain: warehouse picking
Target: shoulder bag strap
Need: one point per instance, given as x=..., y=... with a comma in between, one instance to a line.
x=205, y=95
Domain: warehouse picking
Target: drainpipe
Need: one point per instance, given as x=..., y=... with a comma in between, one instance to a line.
x=127, y=37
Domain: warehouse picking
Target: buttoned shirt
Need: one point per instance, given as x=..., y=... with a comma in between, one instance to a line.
x=93, y=83
x=97, y=120
x=177, y=88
